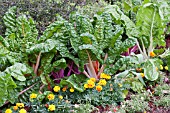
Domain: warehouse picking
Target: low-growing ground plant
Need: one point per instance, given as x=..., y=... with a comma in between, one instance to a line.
x=163, y=101
x=137, y=103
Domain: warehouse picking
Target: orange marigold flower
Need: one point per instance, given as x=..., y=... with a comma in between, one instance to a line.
x=98, y=88
x=15, y=108
x=142, y=75
x=64, y=89
x=152, y=54
x=50, y=96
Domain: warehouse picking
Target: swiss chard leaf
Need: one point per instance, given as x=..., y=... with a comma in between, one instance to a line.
x=150, y=71
x=7, y=86
x=150, y=25
x=17, y=71
x=75, y=81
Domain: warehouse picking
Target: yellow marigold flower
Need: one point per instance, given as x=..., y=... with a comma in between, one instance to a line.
x=108, y=77
x=98, y=88
x=21, y=105
x=56, y=88
x=89, y=81
x=50, y=96
x=161, y=67
x=72, y=90
x=51, y=107
x=8, y=111
x=90, y=84
x=152, y=54
x=64, y=89
x=142, y=75
x=102, y=82
x=85, y=85
x=22, y=111
x=166, y=67
x=33, y=95
x=15, y=108
x=103, y=75
x=120, y=85
x=93, y=79
x=60, y=97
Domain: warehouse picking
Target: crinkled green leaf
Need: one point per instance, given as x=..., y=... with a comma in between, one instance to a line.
x=60, y=64
x=75, y=81
x=150, y=71
x=10, y=20
x=137, y=86
x=45, y=47
x=150, y=25
x=7, y=86
x=120, y=18
x=17, y=71
x=82, y=23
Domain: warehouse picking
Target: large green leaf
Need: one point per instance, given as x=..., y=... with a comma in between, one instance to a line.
x=150, y=71
x=150, y=25
x=137, y=86
x=44, y=47
x=75, y=81
x=120, y=18
x=7, y=86
x=17, y=71
x=82, y=23
x=10, y=21
x=60, y=64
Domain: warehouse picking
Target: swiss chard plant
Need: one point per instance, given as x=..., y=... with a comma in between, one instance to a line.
x=23, y=56
x=20, y=34
x=148, y=29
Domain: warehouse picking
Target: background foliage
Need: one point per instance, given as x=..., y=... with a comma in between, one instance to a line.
x=44, y=11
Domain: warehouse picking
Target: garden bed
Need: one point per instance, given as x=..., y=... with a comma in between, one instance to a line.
x=115, y=61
